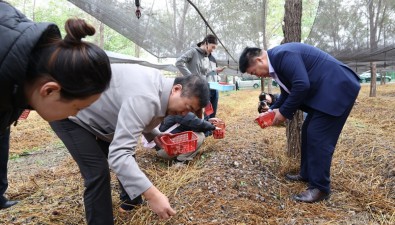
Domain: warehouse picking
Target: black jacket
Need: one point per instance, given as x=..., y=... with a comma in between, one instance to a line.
x=190, y=122
x=18, y=38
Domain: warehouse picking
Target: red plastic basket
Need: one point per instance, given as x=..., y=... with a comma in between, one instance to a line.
x=265, y=119
x=208, y=110
x=24, y=114
x=180, y=143
x=219, y=132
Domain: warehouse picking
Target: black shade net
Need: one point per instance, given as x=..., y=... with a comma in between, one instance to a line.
x=356, y=32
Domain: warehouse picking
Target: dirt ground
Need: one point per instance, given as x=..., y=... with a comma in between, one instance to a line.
x=235, y=180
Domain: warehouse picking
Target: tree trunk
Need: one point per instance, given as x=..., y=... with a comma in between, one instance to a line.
x=293, y=33
x=269, y=85
x=24, y=6
x=264, y=3
x=264, y=41
x=101, y=33
x=292, y=27
x=136, y=51
x=34, y=7
x=372, y=80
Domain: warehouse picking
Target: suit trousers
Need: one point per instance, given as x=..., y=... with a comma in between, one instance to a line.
x=320, y=133
x=4, y=152
x=90, y=154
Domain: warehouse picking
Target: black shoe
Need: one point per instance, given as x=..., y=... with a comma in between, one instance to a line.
x=129, y=205
x=311, y=195
x=295, y=177
x=8, y=204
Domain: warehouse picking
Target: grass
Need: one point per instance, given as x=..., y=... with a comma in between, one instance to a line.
x=235, y=180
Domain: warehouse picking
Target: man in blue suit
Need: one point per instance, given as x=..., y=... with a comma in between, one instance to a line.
x=315, y=82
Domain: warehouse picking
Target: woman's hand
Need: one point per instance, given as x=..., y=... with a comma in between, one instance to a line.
x=159, y=203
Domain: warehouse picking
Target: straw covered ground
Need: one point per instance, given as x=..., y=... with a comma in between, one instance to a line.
x=236, y=180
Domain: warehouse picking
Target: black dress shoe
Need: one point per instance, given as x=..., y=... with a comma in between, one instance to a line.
x=311, y=195
x=8, y=204
x=295, y=177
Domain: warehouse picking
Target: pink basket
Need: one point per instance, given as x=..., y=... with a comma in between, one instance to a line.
x=265, y=119
x=180, y=143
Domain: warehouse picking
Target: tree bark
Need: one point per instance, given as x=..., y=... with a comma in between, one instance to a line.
x=372, y=80
x=33, y=9
x=269, y=85
x=264, y=8
x=101, y=33
x=264, y=41
x=292, y=27
x=293, y=33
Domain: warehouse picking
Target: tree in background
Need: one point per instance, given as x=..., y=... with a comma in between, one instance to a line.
x=293, y=33
x=58, y=11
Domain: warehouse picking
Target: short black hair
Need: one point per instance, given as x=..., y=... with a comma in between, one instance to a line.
x=194, y=86
x=247, y=56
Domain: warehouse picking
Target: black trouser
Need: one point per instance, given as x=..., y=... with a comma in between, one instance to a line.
x=4, y=152
x=214, y=96
x=91, y=155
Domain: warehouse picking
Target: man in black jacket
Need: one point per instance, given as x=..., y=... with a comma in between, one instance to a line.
x=190, y=122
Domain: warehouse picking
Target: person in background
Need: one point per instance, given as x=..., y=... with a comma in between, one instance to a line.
x=190, y=122
x=315, y=82
x=199, y=60
x=106, y=135
x=266, y=100
x=41, y=71
x=214, y=94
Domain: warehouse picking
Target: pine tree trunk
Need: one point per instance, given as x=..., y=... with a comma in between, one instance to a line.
x=269, y=85
x=293, y=33
x=264, y=41
x=101, y=31
x=373, y=79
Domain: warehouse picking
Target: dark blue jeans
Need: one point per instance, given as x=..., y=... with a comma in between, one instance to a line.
x=214, y=96
x=4, y=151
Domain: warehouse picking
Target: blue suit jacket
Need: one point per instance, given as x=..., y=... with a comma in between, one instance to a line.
x=314, y=78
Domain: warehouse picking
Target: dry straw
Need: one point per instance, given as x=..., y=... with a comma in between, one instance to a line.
x=235, y=180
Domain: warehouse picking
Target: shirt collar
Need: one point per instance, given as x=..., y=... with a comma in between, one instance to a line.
x=271, y=69
x=165, y=95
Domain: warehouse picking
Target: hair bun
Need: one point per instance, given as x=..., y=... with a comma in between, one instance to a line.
x=77, y=29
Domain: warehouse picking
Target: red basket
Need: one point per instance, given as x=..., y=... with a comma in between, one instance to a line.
x=24, y=114
x=219, y=132
x=208, y=110
x=180, y=143
x=265, y=119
